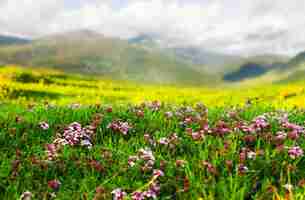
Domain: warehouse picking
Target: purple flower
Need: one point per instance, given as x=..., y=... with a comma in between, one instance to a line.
x=153, y=191
x=44, y=125
x=54, y=185
x=137, y=196
x=51, y=151
x=158, y=173
x=118, y=194
x=295, y=152
x=118, y=126
x=163, y=141
x=132, y=160
x=242, y=169
x=146, y=154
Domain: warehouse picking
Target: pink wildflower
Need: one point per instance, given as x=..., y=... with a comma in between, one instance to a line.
x=118, y=194
x=295, y=152
x=44, y=125
x=54, y=185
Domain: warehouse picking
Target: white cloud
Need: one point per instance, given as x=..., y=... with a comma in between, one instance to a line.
x=239, y=26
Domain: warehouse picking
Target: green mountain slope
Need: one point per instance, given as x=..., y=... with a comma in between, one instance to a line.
x=92, y=53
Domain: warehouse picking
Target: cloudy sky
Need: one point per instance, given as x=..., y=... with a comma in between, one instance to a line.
x=230, y=26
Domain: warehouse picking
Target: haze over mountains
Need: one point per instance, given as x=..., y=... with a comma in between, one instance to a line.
x=145, y=58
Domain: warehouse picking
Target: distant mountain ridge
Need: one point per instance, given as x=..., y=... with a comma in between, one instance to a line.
x=146, y=58
x=10, y=40
x=88, y=52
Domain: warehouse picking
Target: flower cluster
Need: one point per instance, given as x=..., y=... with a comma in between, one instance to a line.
x=119, y=126
x=118, y=194
x=73, y=135
x=146, y=156
x=196, y=135
x=295, y=152
x=152, y=192
x=170, y=141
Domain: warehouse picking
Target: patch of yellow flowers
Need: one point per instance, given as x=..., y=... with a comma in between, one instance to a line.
x=78, y=89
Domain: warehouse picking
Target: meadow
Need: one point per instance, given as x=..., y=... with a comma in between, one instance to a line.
x=73, y=137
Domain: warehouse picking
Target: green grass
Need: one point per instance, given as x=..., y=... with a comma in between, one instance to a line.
x=29, y=97
x=79, y=179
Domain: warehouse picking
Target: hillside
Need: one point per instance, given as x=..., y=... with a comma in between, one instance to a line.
x=10, y=40
x=205, y=60
x=258, y=67
x=92, y=53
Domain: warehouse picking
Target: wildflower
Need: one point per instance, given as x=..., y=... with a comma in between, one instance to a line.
x=163, y=164
x=280, y=137
x=118, y=194
x=301, y=183
x=146, y=154
x=249, y=138
x=137, y=195
x=44, y=125
x=293, y=135
x=260, y=123
x=96, y=165
x=158, y=173
x=54, y=184
x=132, y=161
x=100, y=193
x=109, y=110
x=51, y=151
x=251, y=155
x=288, y=186
x=197, y=135
x=295, y=152
x=292, y=127
x=153, y=191
x=221, y=128
x=75, y=106
x=140, y=113
x=155, y=105
x=18, y=119
x=188, y=120
x=242, y=169
x=168, y=115
x=280, y=148
x=180, y=163
x=242, y=156
x=210, y=167
x=26, y=196
x=74, y=135
x=122, y=127
x=149, y=139
x=87, y=143
x=164, y=141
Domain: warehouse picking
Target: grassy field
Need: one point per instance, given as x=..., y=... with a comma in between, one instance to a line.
x=70, y=137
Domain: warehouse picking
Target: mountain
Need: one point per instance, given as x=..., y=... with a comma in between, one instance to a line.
x=255, y=66
x=294, y=70
x=11, y=40
x=88, y=52
x=204, y=60
x=246, y=71
x=298, y=59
